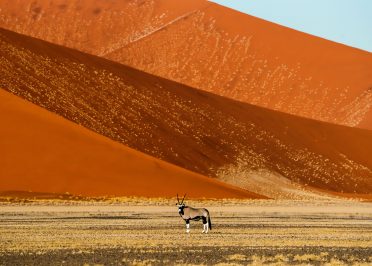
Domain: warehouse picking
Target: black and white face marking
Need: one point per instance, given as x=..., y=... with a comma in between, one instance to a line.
x=180, y=208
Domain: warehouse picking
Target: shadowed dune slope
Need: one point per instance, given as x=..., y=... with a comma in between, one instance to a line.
x=200, y=131
x=213, y=48
x=41, y=151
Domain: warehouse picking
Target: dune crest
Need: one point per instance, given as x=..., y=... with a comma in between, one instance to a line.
x=202, y=132
x=43, y=152
x=213, y=48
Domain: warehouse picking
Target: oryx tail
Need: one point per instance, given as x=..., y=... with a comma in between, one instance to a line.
x=209, y=221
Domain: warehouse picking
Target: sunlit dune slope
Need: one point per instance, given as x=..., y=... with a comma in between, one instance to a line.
x=41, y=151
x=242, y=144
x=213, y=48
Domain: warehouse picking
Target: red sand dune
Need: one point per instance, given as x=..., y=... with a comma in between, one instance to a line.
x=41, y=151
x=240, y=143
x=213, y=48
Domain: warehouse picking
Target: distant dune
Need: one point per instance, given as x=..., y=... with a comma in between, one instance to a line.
x=213, y=48
x=265, y=151
x=43, y=152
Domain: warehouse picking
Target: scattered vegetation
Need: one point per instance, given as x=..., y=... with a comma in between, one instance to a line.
x=175, y=123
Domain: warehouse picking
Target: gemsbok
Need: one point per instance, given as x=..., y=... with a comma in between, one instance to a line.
x=194, y=214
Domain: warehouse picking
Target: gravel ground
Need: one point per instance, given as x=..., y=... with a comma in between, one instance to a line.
x=255, y=232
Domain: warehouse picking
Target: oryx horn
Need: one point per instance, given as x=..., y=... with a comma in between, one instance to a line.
x=183, y=198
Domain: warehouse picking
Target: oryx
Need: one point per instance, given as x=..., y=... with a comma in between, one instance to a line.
x=188, y=213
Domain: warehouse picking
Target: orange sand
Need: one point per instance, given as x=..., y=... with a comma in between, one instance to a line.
x=196, y=130
x=41, y=151
x=213, y=48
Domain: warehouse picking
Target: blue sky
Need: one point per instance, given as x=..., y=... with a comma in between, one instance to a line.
x=343, y=21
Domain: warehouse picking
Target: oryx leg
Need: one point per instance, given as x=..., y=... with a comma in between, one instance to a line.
x=187, y=226
x=205, y=225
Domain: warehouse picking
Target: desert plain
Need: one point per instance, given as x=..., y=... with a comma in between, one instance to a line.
x=139, y=231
